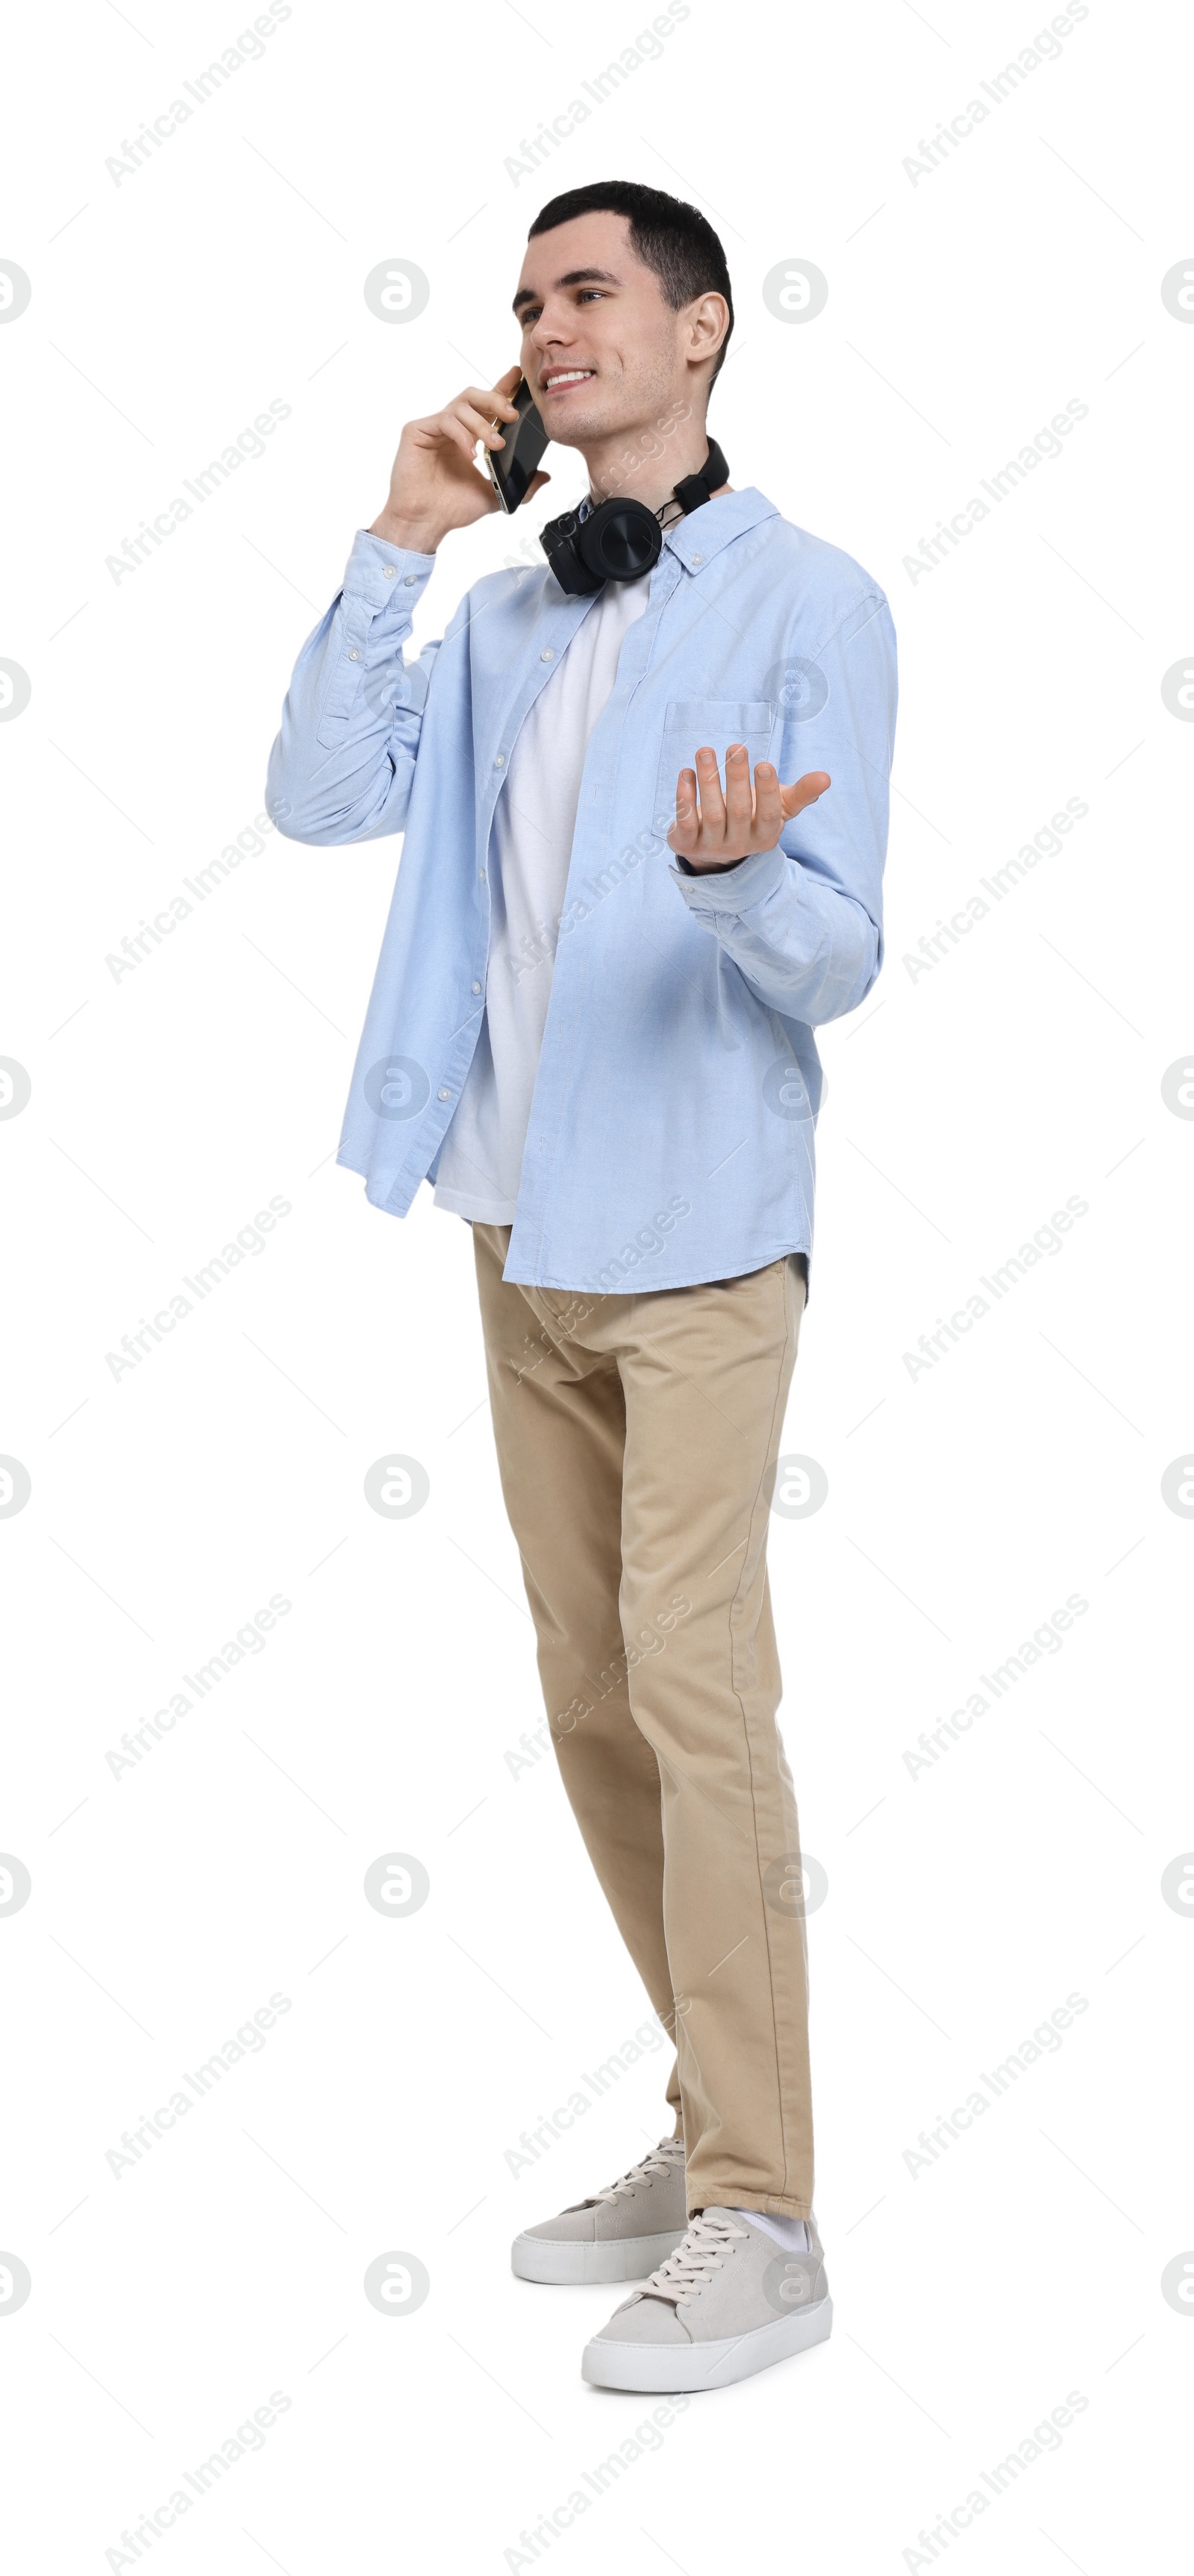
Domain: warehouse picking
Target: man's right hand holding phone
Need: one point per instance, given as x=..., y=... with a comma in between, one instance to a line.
x=435, y=485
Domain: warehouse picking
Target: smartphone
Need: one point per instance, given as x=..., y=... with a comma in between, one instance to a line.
x=512, y=467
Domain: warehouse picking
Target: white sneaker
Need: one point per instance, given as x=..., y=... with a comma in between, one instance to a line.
x=728, y=2302
x=619, y=2235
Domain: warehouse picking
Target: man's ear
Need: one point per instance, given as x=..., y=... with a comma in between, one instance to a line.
x=710, y=321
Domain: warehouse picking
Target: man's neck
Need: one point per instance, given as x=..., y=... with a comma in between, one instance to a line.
x=621, y=467
x=660, y=507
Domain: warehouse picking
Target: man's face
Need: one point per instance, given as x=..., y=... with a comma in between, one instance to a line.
x=601, y=350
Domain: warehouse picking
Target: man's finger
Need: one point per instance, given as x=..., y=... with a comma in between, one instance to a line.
x=738, y=801
x=485, y=398
x=478, y=424
x=805, y=792
x=456, y=435
x=713, y=812
x=684, y=832
x=769, y=812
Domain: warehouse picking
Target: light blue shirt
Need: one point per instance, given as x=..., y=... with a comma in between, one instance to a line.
x=671, y=1130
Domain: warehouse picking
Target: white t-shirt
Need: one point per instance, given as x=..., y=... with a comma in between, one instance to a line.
x=529, y=851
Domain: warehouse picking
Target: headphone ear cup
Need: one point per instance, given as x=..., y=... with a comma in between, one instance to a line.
x=620, y=541
x=559, y=542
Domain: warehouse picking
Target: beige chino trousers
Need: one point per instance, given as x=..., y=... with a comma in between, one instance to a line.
x=637, y=1439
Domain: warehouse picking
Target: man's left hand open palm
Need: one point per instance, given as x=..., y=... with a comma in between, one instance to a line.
x=737, y=824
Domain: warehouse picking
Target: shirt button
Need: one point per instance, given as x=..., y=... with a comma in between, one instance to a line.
x=409, y=582
x=445, y=1095
x=698, y=559
x=481, y=873
x=476, y=988
x=549, y=656
x=388, y=571
x=354, y=656
x=500, y=761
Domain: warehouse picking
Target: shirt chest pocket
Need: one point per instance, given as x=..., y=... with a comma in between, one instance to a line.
x=692, y=723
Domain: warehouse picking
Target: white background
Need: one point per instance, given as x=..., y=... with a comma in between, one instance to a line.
x=170, y=1103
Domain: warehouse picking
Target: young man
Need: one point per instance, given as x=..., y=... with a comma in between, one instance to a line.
x=602, y=1058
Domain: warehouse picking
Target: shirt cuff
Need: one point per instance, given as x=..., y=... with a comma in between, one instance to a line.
x=385, y=576
x=687, y=869
x=757, y=877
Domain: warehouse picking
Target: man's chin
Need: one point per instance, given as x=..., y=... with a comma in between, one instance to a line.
x=573, y=426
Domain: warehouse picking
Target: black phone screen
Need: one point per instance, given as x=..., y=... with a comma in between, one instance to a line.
x=512, y=467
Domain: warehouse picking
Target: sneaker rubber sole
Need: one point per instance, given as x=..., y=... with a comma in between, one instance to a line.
x=628, y=2258
x=668, y=2370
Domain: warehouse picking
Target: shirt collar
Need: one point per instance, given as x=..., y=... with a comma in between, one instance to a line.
x=701, y=536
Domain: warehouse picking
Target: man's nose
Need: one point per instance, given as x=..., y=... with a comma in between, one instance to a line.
x=549, y=331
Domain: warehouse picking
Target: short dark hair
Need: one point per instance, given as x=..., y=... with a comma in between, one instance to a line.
x=672, y=238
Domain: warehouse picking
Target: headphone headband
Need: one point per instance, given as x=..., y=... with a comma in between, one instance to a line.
x=696, y=489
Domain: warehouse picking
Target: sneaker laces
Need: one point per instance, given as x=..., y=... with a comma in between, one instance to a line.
x=697, y=2257
x=663, y=2159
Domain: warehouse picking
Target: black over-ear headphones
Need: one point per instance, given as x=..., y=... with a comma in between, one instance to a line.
x=621, y=540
